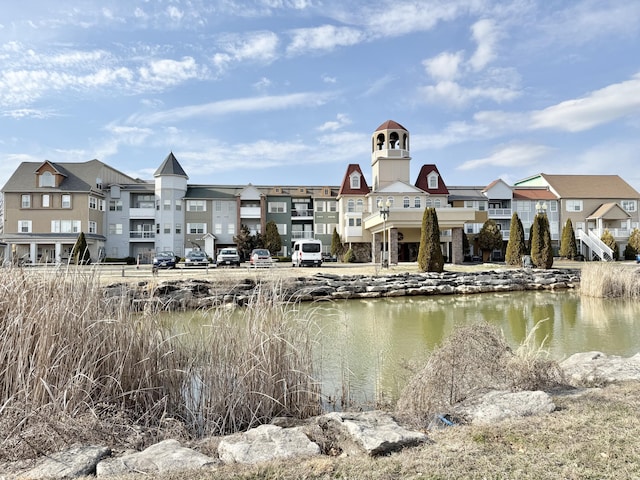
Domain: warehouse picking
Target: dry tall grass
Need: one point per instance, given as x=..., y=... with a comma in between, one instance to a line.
x=66, y=350
x=602, y=279
x=473, y=360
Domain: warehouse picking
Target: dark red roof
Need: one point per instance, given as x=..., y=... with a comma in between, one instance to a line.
x=345, y=188
x=423, y=183
x=391, y=125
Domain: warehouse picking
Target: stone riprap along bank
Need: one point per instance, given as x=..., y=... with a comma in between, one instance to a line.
x=185, y=294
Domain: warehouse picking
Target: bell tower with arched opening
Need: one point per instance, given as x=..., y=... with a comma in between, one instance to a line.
x=390, y=159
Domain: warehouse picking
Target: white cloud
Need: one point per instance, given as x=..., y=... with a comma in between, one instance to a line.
x=240, y=105
x=341, y=121
x=325, y=37
x=486, y=36
x=599, y=107
x=261, y=47
x=263, y=84
x=329, y=79
x=174, y=13
x=27, y=113
x=167, y=72
x=398, y=18
x=516, y=156
x=452, y=93
x=444, y=66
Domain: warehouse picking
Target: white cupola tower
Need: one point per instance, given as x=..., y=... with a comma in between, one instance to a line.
x=390, y=159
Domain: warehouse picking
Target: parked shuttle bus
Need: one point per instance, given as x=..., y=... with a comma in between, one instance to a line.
x=306, y=252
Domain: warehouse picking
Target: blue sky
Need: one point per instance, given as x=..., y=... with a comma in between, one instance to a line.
x=288, y=92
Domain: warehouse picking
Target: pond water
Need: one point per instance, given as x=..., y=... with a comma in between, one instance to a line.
x=368, y=349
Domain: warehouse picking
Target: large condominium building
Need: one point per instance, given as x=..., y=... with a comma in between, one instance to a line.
x=47, y=204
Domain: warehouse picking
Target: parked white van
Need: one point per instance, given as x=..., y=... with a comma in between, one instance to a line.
x=306, y=252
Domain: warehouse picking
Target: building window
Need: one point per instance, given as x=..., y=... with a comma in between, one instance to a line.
x=46, y=179
x=178, y=228
x=355, y=222
x=390, y=201
x=333, y=206
x=231, y=229
x=629, y=205
x=282, y=228
x=167, y=228
x=405, y=202
x=65, y=226
x=66, y=200
x=93, y=203
x=437, y=202
x=574, y=205
x=428, y=203
x=46, y=200
x=24, y=226
x=101, y=204
x=359, y=205
x=196, y=228
x=26, y=201
x=355, y=181
x=115, y=205
x=166, y=205
x=196, y=206
x=93, y=227
x=218, y=206
x=178, y=205
x=115, y=229
x=416, y=202
x=432, y=181
x=277, y=207
x=320, y=206
x=217, y=228
x=351, y=205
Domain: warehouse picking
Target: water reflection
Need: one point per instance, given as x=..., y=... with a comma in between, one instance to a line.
x=368, y=347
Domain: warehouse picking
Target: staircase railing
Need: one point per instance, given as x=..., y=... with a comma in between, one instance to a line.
x=598, y=248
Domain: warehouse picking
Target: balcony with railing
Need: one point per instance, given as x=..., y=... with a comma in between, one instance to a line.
x=299, y=235
x=250, y=212
x=500, y=213
x=149, y=212
x=301, y=214
x=140, y=235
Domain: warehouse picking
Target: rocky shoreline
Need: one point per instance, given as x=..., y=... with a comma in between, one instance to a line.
x=186, y=294
x=372, y=433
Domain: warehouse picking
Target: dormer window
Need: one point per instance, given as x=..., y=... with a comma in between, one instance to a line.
x=355, y=181
x=46, y=179
x=432, y=181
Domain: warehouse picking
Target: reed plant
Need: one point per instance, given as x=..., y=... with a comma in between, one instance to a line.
x=67, y=351
x=610, y=280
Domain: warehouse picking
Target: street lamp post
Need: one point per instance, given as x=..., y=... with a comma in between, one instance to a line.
x=541, y=207
x=384, y=213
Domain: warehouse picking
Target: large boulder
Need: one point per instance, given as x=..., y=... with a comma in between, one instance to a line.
x=597, y=368
x=373, y=433
x=499, y=405
x=165, y=456
x=77, y=461
x=265, y=443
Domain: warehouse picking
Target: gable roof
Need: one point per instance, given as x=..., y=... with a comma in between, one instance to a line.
x=399, y=187
x=345, y=187
x=79, y=176
x=533, y=194
x=587, y=186
x=609, y=211
x=423, y=183
x=171, y=166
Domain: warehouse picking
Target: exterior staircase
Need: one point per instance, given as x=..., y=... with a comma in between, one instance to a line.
x=599, y=250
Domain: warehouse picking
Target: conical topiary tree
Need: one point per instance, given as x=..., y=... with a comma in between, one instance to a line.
x=608, y=240
x=80, y=253
x=489, y=238
x=430, y=258
x=541, y=248
x=516, y=247
x=272, y=239
x=633, y=246
x=337, y=249
x=568, y=247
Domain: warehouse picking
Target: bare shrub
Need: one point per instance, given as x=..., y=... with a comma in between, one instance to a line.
x=605, y=280
x=472, y=360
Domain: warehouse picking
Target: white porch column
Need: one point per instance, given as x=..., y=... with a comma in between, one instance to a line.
x=58, y=252
x=33, y=252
